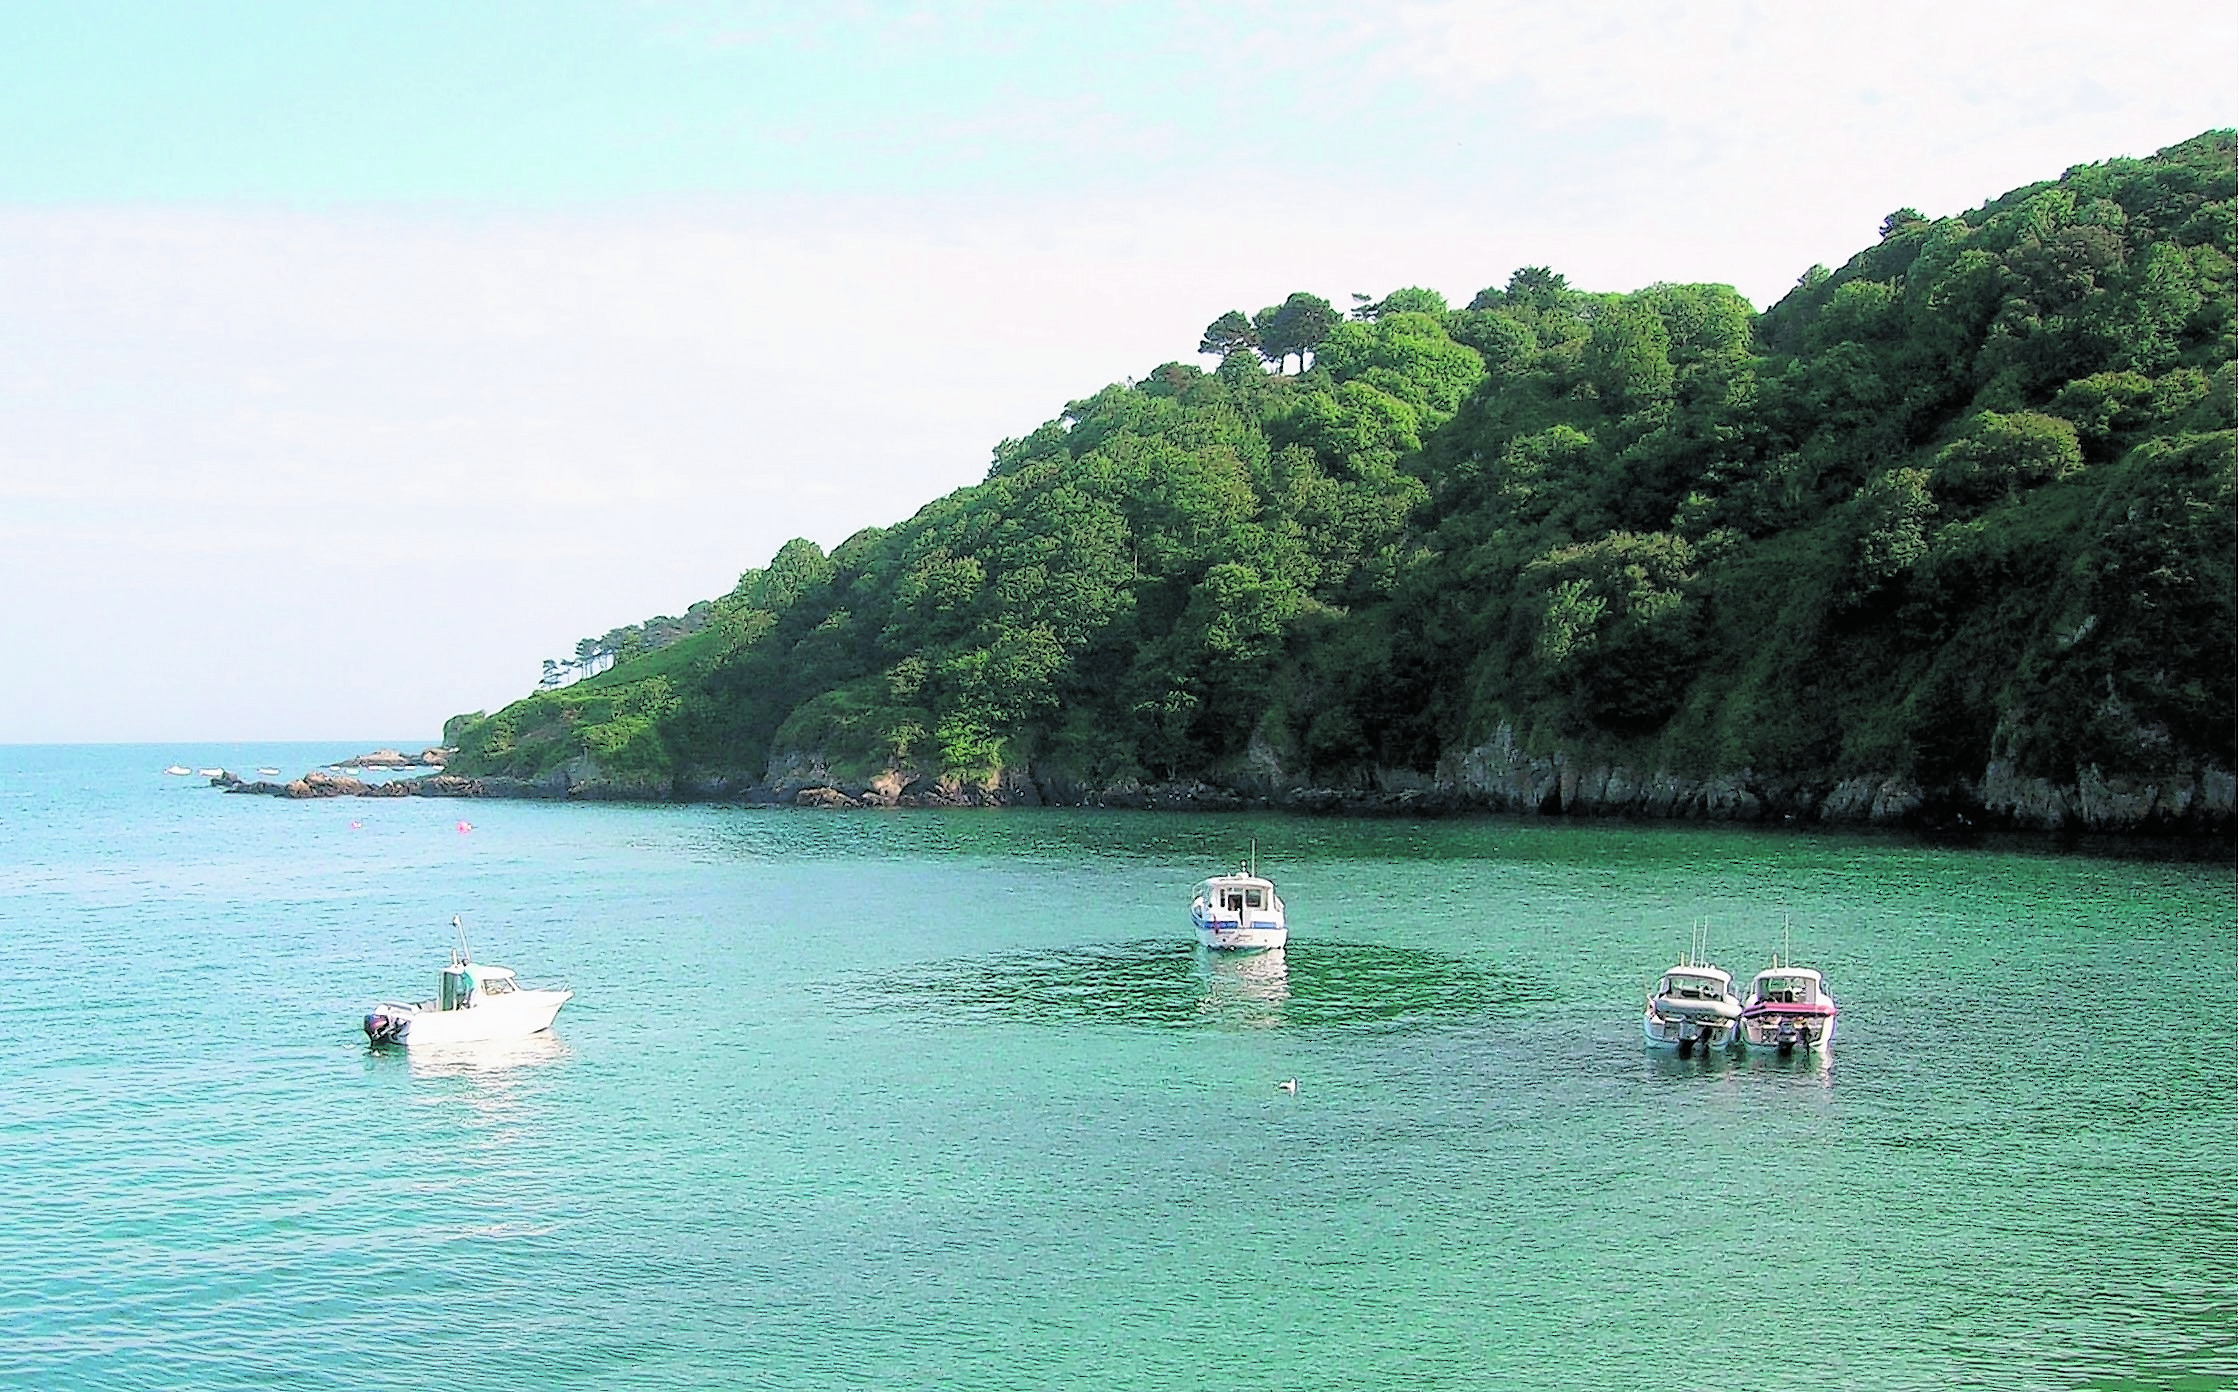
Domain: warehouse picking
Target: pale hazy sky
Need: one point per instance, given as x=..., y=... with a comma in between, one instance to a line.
x=355, y=358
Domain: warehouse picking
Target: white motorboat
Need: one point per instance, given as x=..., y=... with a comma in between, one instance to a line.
x=1239, y=911
x=1694, y=1006
x=1788, y=1008
x=178, y=770
x=475, y=1001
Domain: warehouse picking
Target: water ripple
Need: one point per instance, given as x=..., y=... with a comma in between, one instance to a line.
x=1164, y=984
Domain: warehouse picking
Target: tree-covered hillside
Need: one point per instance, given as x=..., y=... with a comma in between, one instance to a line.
x=1953, y=523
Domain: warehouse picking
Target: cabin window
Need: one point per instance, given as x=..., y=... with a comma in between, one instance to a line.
x=497, y=986
x=1255, y=898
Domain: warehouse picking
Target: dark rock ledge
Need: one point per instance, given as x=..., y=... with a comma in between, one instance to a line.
x=1491, y=778
x=396, y=759
x=321, y=784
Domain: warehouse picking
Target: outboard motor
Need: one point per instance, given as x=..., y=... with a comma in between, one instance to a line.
x=383, y=1029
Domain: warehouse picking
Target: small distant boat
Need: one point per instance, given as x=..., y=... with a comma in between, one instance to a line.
x=476, y=1002
x=1788, y=1008
x=211, y=772
x=1694, y=1007
x=178, y=770
x=267, y=772
x=1239, y=911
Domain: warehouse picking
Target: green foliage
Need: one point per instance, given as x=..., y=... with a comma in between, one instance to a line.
x=1892, y=515
x=1295, y=327
x=2002, y=454
x=1230, y=333
x=1618, y=620
x=1968, y=496
x=1628, y=358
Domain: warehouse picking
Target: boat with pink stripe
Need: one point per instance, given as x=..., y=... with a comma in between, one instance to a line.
x=1788, y=1008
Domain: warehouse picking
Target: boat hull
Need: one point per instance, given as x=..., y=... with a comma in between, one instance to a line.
x=513, y=1019
x=1787, y=1031
x=1235, y=937
x=1687, y=1034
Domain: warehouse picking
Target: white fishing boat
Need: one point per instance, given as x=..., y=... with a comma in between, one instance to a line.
x=1694, y=1007
x=475, y=1001
x=267, y=772
x=1239, y=911
x=1788, y=1008
x=178, y=770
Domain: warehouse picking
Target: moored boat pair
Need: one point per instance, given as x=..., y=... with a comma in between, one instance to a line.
x=1694, y=1008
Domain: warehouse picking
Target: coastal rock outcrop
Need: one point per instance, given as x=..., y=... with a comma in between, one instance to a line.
x=1497, y=775
x=1494, y=777
x=396, y=759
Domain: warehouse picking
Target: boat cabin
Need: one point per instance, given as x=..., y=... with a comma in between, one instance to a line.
x=1242, y=897
x=1695, y=983
x=463, y=982
x=1786, y=986
x=1235, y=893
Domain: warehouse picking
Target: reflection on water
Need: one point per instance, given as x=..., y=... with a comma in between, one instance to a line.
x=1807, y=1067
x=1803, y=1068
x=485, y=1057
x=1170, y=984
x=1246, y=990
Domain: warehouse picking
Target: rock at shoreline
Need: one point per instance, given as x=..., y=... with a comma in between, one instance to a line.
x=320, y=784
x=396, y=759
x=1497, y=776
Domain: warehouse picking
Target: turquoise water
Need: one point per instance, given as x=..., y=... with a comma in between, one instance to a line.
x=947, y=1099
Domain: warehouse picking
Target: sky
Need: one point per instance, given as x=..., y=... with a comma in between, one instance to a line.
x=356, y=358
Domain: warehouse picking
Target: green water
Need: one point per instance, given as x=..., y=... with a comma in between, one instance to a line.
x=934, y=1099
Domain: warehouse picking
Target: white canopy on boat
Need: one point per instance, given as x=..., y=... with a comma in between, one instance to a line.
x=1237, y=891
x=1796, y=984
x=1695, y=981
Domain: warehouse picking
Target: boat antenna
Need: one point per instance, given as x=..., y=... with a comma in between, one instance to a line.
x=1254, y=857
x=460, y=929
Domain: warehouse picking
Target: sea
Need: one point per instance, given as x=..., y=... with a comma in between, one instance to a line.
x=949, y=1099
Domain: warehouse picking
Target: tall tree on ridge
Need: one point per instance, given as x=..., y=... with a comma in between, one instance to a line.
x=1229, y=333
x=1297, y=325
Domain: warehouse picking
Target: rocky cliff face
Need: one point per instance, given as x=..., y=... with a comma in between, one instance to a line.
x=1499, y=775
